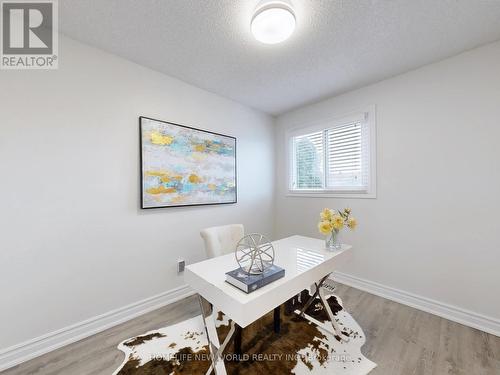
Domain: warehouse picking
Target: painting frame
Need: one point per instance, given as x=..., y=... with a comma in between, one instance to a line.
x=142, y=158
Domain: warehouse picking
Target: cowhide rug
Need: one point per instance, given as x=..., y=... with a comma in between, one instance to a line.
x=302, y=347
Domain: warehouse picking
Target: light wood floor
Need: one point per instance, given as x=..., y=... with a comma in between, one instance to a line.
x=400, y=339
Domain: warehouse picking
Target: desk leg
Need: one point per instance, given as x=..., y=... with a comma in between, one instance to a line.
x=339, y=335
x=277, y=319
x=216, y=349
x=336, y=328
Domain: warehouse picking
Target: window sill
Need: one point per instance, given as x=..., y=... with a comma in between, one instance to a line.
x=331, y=194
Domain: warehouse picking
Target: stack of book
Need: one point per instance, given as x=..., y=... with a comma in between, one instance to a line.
x=249, y=283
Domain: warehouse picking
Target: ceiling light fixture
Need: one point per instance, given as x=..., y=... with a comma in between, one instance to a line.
x=273, y=22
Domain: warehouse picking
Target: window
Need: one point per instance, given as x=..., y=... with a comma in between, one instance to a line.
x=336, y=158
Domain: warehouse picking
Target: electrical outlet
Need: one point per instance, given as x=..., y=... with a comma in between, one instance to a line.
x=181, y=264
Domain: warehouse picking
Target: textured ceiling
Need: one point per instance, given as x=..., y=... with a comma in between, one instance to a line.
x=338, y=45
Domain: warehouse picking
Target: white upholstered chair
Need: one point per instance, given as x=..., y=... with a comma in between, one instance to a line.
x=221, y=240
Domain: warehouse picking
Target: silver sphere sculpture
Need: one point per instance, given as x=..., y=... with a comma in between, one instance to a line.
x=254, y=253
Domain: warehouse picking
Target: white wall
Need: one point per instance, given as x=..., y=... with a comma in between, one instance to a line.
x=434, y=228
x=74, y=243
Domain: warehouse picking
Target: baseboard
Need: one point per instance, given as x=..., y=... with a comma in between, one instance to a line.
x=27, y=350
x=450, y=312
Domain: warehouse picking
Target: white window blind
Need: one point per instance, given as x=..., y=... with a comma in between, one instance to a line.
x=336, y=158
x=348, y=157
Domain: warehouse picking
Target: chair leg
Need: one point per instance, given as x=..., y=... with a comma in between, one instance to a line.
x=277, y=319
x=290, y=305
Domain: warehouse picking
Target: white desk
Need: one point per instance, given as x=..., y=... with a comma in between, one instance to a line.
x=305, y=260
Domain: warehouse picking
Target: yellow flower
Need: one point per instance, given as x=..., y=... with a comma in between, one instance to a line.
x=347, y=211
x=337, y=222
x=325, y=227
x=326, y=214
x=352, y=223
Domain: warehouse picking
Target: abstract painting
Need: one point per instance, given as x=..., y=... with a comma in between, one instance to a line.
x=184, y=166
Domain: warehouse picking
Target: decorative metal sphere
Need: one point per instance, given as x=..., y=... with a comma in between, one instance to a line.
x=254, y=253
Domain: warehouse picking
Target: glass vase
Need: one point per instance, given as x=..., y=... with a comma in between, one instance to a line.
x=332, y=241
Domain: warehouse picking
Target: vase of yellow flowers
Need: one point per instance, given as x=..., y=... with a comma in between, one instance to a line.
x=332, y=222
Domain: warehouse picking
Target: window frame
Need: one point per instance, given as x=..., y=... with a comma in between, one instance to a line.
x=371, y=192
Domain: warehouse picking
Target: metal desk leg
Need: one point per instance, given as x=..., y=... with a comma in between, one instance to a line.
x=216, y=349
x=339, y=335
x=316, y=292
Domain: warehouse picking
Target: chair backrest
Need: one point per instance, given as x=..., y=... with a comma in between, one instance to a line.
x=222, y=240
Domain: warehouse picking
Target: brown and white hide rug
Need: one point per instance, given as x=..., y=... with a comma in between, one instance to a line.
x=304, y=346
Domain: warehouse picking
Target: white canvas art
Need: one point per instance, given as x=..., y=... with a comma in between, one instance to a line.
x=182, y=166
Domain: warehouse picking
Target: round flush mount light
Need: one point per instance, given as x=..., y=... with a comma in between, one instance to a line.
x=273, y=22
